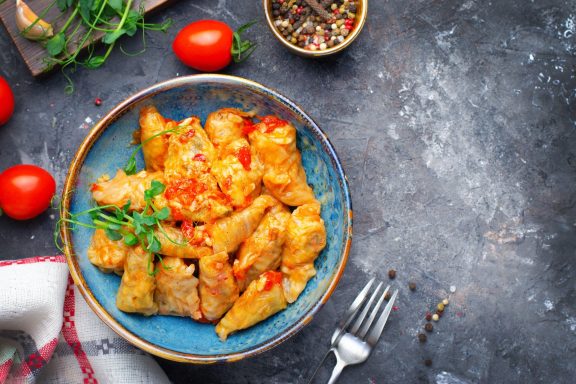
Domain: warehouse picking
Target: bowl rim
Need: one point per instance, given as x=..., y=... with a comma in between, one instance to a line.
x=75, y=271
x=361, y=20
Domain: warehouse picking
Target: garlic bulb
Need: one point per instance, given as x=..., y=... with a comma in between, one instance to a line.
x=25, y=19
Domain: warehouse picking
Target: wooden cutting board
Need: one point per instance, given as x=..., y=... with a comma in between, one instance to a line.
x=33, y=52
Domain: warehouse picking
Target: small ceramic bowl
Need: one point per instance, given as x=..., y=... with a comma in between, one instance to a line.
x=361, y=15
x=106, y=149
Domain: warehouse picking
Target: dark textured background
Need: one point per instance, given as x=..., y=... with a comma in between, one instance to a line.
x=456, y=124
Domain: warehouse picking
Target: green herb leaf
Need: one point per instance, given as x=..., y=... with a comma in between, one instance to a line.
x=130, y=239
x=94, y=62
x=138, y=225
x=56, y=44
x=111, y=37
x=148, y=220
x=63, y=4
x=116, y=5
x=113, y=235
x=85, y=8
x=130, y=168
x=114, y=227
x=153, y=243
x=155, y=189
x=162, y=214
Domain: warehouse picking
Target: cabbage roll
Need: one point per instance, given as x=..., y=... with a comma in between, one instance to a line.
x=177, y=289
x=218, y=289
x=305, y=238
x=229, y=232
x=226, y=125
x=154, y=149
x=263, y=298
x=284, y=176
x=262, y=251
x=122, y=188
x=108, y=255
x=238, y=171
x=192, y=192
x=178, y=245
x=136, y=292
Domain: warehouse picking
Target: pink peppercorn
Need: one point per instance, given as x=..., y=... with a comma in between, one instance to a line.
x=98, y=101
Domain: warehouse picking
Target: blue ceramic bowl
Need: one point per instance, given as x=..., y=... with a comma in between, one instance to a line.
x=106, y=149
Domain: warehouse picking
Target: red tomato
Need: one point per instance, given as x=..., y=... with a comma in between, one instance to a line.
x=25, y=191
x=6, y=101
x=204, y=45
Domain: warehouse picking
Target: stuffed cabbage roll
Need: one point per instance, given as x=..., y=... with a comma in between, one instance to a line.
x=263, y=298
x=177, y=289
x=122, y=187
x=155, y=149
x=239, y=171
x=262, y=251
x=229, y=232
x=108, y=255
x=218, y=289
x=284, y=176
x=305, y=238
x=228, y=124
x=175, y=243
x=192, y=192
x=136, y=292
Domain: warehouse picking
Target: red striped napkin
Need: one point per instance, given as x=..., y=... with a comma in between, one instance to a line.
x=48, y=334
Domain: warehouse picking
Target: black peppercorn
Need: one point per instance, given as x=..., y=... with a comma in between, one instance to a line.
x=428, y=362
x=429, y=327
x=412, y=286
x=422, y=337
x=392, y=273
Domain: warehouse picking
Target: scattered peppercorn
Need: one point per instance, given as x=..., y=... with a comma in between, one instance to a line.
x=392, y=273
x=435, y=317
x=98, y=101
x=387, y=296
x=429, y=327
x=445, y=302
x=422, y=337
x=428, y=316
x=440, y=307
x=412, y=286
x=428, y=362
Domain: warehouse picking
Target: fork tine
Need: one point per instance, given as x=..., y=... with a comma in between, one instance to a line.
x=368, y=322
x=364, y=312
x=375, y=333
x=352, y=311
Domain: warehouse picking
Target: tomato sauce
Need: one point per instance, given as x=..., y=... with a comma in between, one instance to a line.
x=272, y=122
x=248, y=127
x=185, y=190
x=199, y=157
x=245, y=157
x=272, y=278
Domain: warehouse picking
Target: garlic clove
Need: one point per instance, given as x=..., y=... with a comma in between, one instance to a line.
x=25, y=19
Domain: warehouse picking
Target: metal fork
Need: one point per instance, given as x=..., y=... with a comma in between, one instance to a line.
x=353, y=344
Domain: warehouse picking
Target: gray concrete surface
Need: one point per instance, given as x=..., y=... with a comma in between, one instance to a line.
x=456, y=124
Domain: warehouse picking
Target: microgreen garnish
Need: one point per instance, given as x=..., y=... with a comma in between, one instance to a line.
x=134, y=228
x=86, y=18
x=242, y=49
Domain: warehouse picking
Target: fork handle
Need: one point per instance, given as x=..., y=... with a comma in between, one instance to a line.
x=336, y=371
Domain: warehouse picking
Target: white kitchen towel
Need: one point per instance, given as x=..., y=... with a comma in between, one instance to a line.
x=48, y=334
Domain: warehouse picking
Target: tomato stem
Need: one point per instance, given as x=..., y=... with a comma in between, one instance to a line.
x=242, y=49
